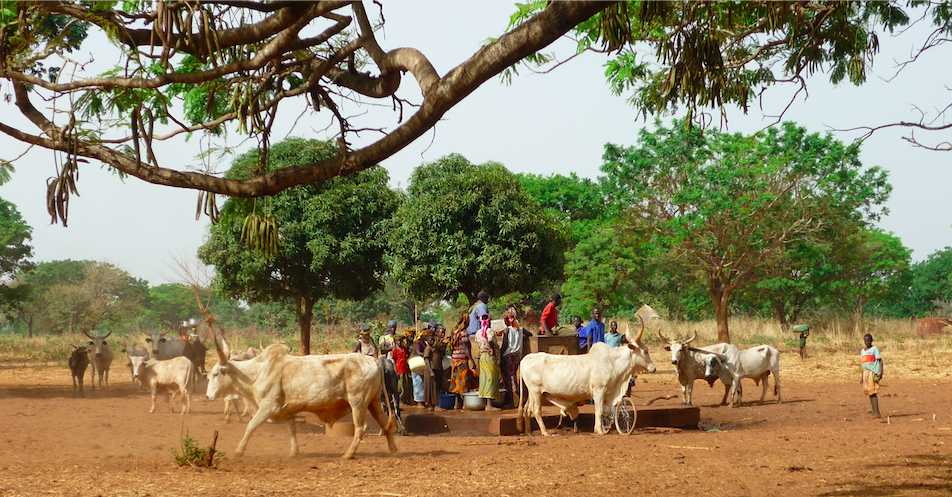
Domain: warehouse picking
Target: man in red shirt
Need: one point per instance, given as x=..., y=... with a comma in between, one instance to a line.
x=550, y=315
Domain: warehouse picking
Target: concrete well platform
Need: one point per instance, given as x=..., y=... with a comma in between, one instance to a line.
x=467, y=423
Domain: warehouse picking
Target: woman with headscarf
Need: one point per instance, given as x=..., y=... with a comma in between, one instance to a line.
x=419, y=347
x=433, y=376
x=512, y=338
x=365, y=344
x=488, y=363
x=462, y=377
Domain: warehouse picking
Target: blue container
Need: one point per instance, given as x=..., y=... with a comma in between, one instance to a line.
x=447, y=400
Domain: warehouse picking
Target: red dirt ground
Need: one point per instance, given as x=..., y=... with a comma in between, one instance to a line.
x=820, y=441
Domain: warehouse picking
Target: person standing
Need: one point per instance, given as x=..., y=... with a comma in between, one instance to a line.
x=550, y=315
x=462, y=377
x=613, y=338
x=476, y=311
x=365, y=344
x=594, y=330
x=872, y=362
x=512, y=353
x=418, y=348
x=488, y=363
x=433, y=375
x=803, y=343
x=400, y=355
x=388, y=340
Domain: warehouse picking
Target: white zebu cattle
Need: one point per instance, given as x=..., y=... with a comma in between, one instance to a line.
x=163, y=347
x=133, y=351
x=282, y=385
x=756, y=363
x=689, y=363
x=601, y=375
x=228, y=390
x=173, y=375
x=100, y=357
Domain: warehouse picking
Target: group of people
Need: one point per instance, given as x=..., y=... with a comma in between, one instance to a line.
x=470, y=360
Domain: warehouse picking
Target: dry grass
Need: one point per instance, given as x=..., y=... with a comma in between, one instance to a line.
x=833, y=348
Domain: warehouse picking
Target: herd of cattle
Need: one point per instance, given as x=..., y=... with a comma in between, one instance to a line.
x=275, y=385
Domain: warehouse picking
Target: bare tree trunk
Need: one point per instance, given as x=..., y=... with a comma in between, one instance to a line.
x=720, y=297
x=304, y=311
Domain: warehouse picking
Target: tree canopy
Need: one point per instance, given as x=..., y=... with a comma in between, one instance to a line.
x=332, y=235
x=188, y=67
x=15, y=254
x=465, y=228
x=727, y=205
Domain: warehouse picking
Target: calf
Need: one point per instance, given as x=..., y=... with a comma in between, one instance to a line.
x=133, y=351
x=78, y=360
x=101, y=358
x=173, y=375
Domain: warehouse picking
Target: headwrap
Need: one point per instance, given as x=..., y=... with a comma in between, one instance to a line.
x=484, y=325
x=510, y=318
x=391, y=323
x=431, y=326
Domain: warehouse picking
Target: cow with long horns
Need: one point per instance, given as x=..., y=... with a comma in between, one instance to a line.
x=690, y=365
x=602, y=375
x=330, y=386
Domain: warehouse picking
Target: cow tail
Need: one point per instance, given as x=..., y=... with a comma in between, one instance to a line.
x=520, y=418
x=391, y=417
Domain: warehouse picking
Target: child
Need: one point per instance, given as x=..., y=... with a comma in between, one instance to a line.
x=613, y=338
x=400, y=354
x=872, y=363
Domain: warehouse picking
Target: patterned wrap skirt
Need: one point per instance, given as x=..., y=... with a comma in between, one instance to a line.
x=488, y=377
x=512, y=370
x=463, y=379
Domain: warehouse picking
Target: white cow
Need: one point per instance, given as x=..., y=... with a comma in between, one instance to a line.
x=133, y=351
x=756, y=363
x=100, y=357
x=602, y=375
x=330, y=386
x=173, y=375
x=165, y=348
x=690, y=365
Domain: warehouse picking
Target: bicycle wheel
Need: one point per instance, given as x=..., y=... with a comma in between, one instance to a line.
x=625, y=416
x=608, y=419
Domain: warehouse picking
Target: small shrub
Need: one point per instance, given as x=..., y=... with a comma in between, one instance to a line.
x=195, y=456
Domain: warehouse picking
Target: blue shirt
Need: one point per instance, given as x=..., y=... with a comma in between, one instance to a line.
x=594, y=332
x=478, y=310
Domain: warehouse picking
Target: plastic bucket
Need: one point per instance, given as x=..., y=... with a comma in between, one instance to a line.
x=417, y=364
x=447, y=400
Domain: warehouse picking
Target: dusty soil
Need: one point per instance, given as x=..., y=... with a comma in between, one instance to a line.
x=820, y=441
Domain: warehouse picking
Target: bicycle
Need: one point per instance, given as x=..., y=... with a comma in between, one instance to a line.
x=622, y=415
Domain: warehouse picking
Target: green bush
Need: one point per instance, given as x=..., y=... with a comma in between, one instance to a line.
x=195, y=456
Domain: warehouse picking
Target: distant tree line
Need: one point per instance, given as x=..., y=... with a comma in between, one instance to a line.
x=694, y=222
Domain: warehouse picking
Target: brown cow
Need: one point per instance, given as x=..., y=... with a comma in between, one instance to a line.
x=931, y=327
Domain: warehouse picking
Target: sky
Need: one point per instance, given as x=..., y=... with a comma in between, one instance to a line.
x=554, y=123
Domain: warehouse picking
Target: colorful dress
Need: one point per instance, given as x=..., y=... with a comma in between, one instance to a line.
x=488, y=367
x=512, y=356
x=462, y=378
x=871, y=361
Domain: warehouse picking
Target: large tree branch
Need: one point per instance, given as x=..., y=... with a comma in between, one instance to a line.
x=440, y=97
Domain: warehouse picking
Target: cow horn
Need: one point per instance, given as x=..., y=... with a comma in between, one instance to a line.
x=87, y=334
x=107, y=334
x=663, y=338
x=641, y=332
x=692, y=338
x=222, y=357
x=167, y=332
